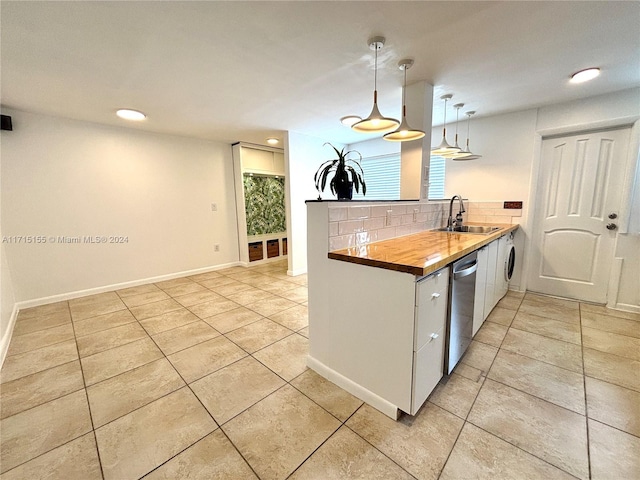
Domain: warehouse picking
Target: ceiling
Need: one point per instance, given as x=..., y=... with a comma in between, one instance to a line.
x=242, y=71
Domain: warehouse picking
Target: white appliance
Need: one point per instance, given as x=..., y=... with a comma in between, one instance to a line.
x=505, y=266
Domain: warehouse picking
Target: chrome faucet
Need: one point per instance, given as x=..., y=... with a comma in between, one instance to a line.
x=451, y=223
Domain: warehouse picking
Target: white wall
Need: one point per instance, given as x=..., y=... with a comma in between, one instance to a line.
x=375, y=146
x=506, y=143
x=303, y=155
x=508, y=170
x=68, y=178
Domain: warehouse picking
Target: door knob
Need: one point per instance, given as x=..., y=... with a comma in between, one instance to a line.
x=613, y=216
x=435, y=295
x=611, y=226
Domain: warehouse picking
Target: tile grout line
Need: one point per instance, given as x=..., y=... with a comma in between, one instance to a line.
x=584, y=387
x=62, y=396
x=478, y=394
x=465, y=421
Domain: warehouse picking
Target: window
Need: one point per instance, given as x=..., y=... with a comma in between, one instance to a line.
x=382, y=176
x=436, y=177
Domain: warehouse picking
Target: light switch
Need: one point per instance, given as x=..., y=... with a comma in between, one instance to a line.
x=214, y=207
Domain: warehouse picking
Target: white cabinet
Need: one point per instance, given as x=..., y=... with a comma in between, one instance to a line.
x=481, y=286
x=492, y=259
x=429, y=365
x=429, y=336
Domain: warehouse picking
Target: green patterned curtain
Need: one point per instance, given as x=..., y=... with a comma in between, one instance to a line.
x=264, y=204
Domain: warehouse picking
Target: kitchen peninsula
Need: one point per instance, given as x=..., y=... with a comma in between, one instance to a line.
x=377, y=311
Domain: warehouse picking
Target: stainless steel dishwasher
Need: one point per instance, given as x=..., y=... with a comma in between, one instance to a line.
x=461, y=298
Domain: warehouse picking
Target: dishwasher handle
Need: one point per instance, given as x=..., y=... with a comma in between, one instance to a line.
x=467, y=269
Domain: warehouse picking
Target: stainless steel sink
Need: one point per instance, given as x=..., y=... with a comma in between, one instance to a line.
x=478, y=229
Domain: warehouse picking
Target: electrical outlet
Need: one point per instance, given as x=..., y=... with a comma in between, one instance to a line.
x=214, y=207
x=216, y=247
x=415, y=215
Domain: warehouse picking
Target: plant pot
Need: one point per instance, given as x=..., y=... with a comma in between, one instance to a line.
x=344, y=188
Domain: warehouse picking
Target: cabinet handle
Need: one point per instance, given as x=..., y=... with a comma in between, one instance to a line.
x=438, y=274
x=434, y=336
x=435, y=295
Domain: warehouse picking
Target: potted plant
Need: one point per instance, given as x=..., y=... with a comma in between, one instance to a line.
x=348, y=175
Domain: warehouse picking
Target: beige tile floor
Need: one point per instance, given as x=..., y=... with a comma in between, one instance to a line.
x=205, y=377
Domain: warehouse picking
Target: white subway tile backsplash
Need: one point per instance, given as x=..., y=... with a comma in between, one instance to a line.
x=337, y=214
x=403, y=230
x=477, y=218
x=358, y=225
x=350, y=226
x=372, y=223
x=386, y=233
x=503, y=213
x=359, y=212
x=379, y=210
x=342, y=241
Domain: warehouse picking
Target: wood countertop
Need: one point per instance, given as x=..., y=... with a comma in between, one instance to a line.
x=420, y=253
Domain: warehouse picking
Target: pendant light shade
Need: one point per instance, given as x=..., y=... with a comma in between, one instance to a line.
x=460, y=152
x=444, y=147
x=404, y=133
x=375, y=122
x=466, y=153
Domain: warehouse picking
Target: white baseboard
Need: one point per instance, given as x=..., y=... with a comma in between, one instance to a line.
x=627, y=307
x=6, y=339
x=353, y=388
x=118, y=286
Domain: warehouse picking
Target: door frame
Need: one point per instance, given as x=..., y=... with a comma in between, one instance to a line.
x=629, y=174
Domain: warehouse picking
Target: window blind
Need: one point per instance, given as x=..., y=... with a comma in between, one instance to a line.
x=382, y=176
x=436, y=177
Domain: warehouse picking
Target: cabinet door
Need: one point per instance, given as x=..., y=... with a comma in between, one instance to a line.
x=489, y=297
x=428, y=365
x=481, y=285
x=431, y=306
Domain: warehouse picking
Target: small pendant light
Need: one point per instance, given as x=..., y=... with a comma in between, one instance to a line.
x=444, y=146
x=375, y=122
x=460, y=152
x=404, y=133
x=466, y=153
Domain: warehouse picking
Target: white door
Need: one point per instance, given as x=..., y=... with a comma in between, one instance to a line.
x=579, y=187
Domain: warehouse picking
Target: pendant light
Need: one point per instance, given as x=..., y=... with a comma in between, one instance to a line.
x=375, y=122
x=466, y=153
x=444, y=147
x=459, y=153
x=404, y=133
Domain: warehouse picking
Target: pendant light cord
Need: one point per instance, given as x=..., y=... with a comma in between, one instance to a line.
x=404, y=88
x=468, y=125
x=375, y=71
x=444, y=127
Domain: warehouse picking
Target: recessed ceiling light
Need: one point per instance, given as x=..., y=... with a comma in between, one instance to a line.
x=585, y=75
x=129, y=114
x=350, y=120
x=272, y=141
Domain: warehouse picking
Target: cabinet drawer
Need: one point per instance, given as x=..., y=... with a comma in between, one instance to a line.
x=437, y=280
x=431, y=308
x=427, y=370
